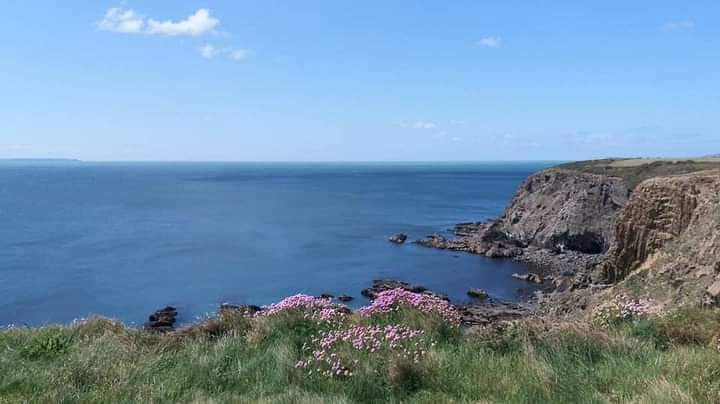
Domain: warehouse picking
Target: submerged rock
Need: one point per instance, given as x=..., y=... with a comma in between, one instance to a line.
x=478, y=293
x=345, y=298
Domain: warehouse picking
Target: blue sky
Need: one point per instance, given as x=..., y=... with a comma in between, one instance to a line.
x=370, y=80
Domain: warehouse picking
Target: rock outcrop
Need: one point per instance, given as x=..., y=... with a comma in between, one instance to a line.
x=381, y=285
x=564, y=210
x=670, y=228
x=162, y=321
x=555, y=210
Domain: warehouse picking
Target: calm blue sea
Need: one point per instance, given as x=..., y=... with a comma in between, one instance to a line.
x=124, y=239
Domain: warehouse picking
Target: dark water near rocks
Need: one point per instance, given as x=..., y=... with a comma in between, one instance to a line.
x=123, y=239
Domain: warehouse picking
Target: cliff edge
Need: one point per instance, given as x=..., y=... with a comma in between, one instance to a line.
x=668, y=239
x=562, y=210
x=560, y=220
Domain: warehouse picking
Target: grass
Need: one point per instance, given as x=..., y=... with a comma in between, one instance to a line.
x=233, y=359
x=635, y=171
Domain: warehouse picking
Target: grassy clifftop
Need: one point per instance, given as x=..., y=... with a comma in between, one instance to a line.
x=406, y=349
x=635, y=171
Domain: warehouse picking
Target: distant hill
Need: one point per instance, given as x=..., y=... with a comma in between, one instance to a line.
x=21, y=160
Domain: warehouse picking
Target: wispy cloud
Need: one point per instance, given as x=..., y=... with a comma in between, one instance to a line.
x=122, y=21
x=420, y=125
x=128, y=21
x=490, y=42
x=681, y=25
x=209, y=51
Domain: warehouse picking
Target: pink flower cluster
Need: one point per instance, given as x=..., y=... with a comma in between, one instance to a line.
x=325, y=359
x=624, y=308
x=391, y=300
x=636, y=308
x=315, y=308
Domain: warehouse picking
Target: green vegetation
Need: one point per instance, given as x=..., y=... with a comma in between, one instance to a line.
x=635, y=171
x=669, y=359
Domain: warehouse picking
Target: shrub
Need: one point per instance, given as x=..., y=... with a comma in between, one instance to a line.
x=48, y=345
x=690, y=326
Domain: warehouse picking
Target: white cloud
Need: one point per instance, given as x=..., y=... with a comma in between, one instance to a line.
x=197, y=24
x=209, y=51
x=679, y=25
x=123, y=21
x=490, y=42
x=129, y=22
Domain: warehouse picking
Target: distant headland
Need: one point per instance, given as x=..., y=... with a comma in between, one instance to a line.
x=39, y=160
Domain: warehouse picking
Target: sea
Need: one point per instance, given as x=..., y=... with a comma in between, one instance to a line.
x=120, y=240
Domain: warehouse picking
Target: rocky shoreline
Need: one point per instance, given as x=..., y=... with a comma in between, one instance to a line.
x=581, y=233
x=483, y=310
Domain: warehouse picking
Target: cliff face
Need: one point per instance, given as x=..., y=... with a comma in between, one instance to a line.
x=670, y=229
x=564, y=210
x=553, y=211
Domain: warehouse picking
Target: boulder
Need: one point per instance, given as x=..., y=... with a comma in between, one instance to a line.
x=712, y=294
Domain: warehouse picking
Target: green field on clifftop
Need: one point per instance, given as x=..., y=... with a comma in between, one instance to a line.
x=637, y=170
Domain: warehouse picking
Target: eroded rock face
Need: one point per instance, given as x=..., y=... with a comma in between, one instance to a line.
x=555, y=209
x=671, y=224
x=565, y=210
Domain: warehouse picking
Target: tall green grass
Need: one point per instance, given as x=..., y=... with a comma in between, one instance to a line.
x=235, y=359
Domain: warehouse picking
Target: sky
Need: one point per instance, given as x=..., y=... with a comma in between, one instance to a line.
x=331, y=80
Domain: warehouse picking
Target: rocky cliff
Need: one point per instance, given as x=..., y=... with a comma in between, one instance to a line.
x=668, y=237
x=580, y=227
x=565, y=210
x=557, y=210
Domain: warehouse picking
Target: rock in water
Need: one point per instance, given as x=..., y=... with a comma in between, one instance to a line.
x=530, y=277
x=162, y=320
x=345, y=298
x=381, y=285
x=477, y=293
x=398, y=238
